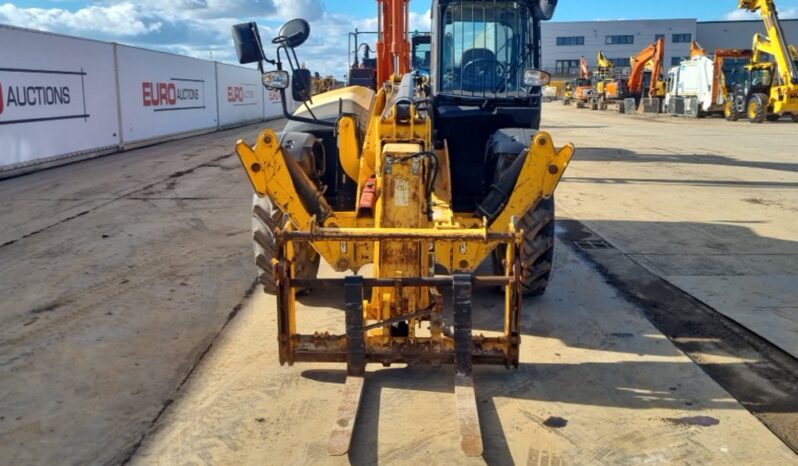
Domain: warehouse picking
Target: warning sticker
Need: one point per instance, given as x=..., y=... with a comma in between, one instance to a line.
x=401, y=192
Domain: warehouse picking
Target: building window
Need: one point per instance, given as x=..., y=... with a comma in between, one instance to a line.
x=658, y=37
x=619, y=40
x=682, y=38
x=566, y=67
x=621, y=62
x=575, y=40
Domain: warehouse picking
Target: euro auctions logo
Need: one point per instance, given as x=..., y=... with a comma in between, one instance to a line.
x=242, y=94
x=174, y=94
x=30, y=96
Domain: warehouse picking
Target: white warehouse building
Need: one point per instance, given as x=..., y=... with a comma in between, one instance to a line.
x=564, y=43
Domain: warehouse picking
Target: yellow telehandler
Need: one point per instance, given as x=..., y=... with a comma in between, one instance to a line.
x=427, y=174
x=766, y=90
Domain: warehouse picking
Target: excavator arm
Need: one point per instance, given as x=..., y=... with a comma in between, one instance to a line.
x=696, y=50
x=393, y=48
x=654, y=53
x=603, y=61
x=584, y=69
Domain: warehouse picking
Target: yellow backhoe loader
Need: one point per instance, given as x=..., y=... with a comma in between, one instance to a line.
x=766, y=90
x=427, y=174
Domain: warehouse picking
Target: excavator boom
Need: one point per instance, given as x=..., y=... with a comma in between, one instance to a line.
x=696, y=50
x=393, y=48
x=654, y=53
x=584, y=69
x=603, y=61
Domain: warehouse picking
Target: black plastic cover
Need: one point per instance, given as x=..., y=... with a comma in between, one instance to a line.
x=247, y=41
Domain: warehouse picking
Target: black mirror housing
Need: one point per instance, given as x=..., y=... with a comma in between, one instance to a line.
x=544, y=10
x=300, y=85
x=293, y=33
x=248, y=45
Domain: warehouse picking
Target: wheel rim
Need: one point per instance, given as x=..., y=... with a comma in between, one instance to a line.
x=752, y=110
x=728, y=109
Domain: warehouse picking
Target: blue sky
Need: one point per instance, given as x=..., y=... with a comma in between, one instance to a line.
x=569, y=10
x=201, y=28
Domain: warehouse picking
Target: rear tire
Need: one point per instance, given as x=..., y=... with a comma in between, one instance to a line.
x=729, y=112
x=537, y=250
x=773, y=117
x=265, y=219
x=757, y=108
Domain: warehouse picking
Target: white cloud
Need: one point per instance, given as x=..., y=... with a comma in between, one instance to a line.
x=308, y=9
x=201, y=28
x=122, y=19
x=743, y=15
x=740, y=15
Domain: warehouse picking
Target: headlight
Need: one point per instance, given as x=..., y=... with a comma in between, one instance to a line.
x=276, y=79
x=536, y=78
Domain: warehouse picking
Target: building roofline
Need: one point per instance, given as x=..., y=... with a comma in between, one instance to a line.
x=745, y=21
x=623, y=20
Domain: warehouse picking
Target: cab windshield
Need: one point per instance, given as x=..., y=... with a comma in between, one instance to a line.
x=486, y=47
x=422, y=51
x=760, y=77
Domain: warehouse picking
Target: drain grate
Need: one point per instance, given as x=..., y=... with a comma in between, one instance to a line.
x=592, y=244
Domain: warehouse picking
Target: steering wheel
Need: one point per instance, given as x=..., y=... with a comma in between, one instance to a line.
x=485, y=63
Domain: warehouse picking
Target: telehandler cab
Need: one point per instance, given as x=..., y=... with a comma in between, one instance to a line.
x=426, y=173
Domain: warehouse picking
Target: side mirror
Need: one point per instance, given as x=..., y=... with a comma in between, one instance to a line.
x=293, y=33
x=545, y=9
x=300, y=85
x=536, y=78
x=248, y=44
x=275, y=80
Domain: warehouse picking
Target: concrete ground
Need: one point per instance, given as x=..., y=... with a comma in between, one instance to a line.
x=117, y=275
x=709, y=205
x=141, y=260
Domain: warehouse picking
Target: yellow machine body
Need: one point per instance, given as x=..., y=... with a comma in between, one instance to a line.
x=398, y=237
x=783, y=97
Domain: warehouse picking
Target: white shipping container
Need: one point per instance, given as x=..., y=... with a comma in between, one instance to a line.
x=164, y=95
x=57, y=97
x=239, y=95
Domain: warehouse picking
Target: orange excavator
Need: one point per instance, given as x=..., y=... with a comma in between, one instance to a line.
x=644, y=84
x=583, y=85
x=393, y=48
x=645, y=81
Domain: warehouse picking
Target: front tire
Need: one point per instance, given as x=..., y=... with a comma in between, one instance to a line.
x=537, y=250
x=758, y=108
x=265, y=219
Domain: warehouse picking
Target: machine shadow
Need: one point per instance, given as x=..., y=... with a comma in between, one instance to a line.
x=578, y=321
x=606, y=154
x=626, y=385
x=553, y=315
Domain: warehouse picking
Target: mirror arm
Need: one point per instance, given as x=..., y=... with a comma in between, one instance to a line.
x=283, y=98
x=262, y=52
